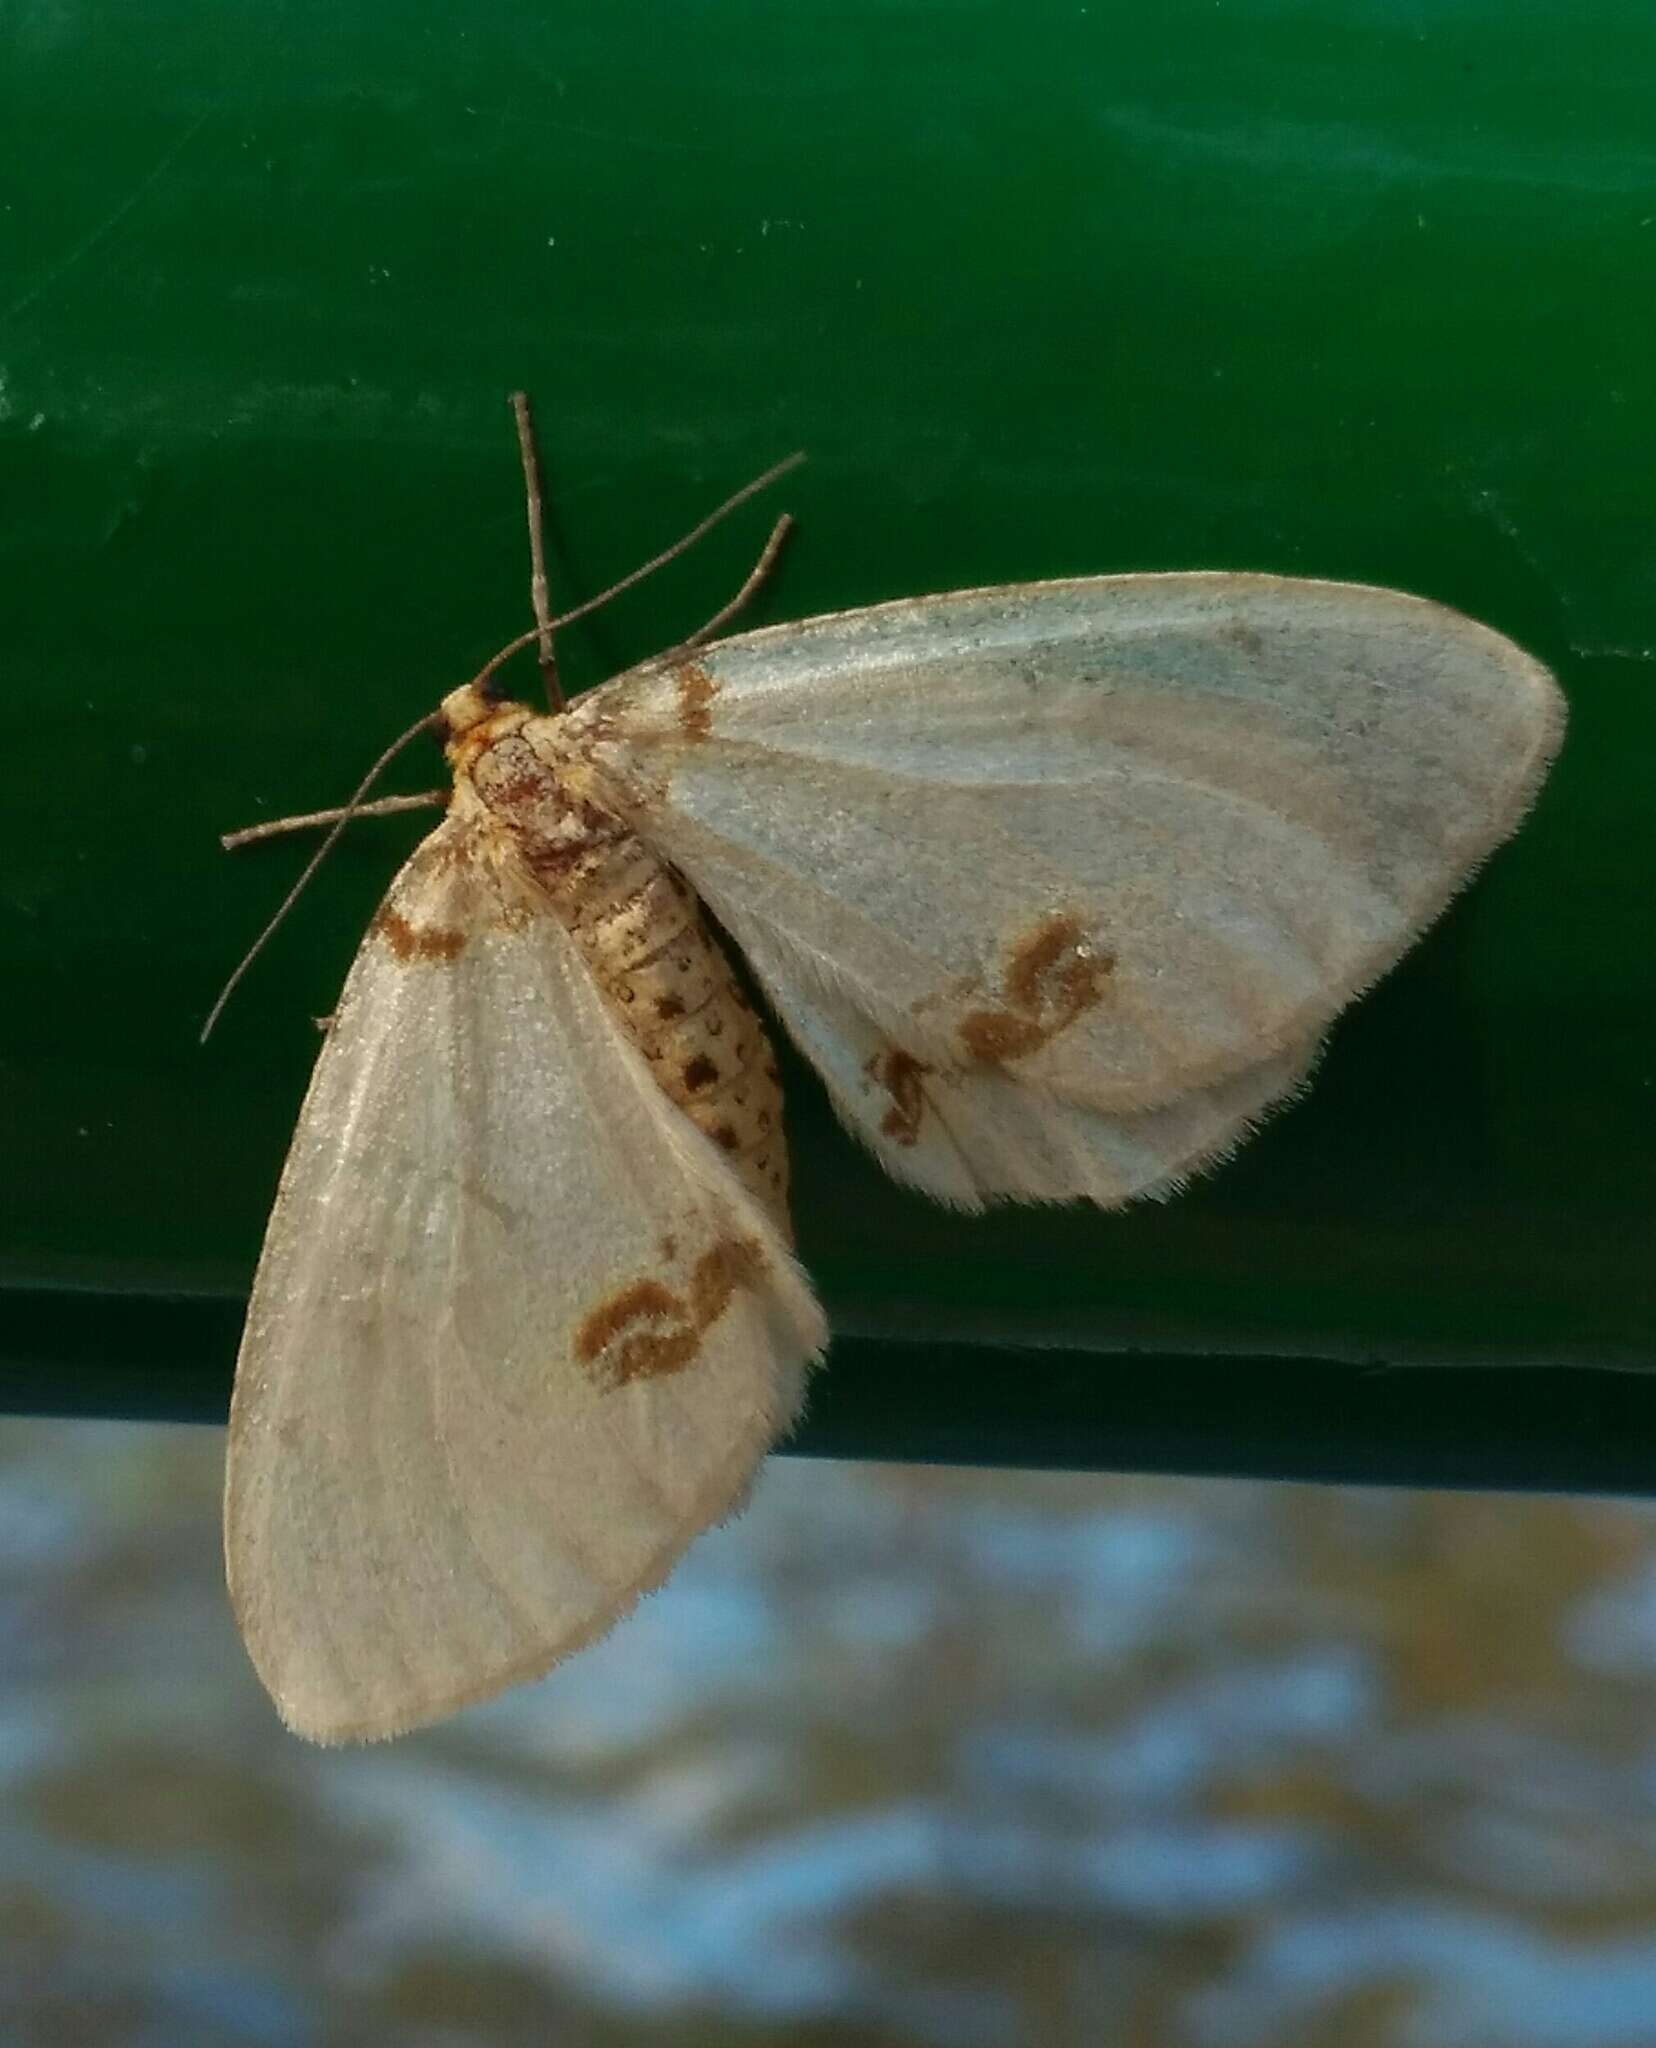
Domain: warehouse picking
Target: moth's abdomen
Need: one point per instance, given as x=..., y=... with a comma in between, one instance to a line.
x=664, y=975
x=672, y=987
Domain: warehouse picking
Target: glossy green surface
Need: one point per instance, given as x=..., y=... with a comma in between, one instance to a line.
x=1339, y=289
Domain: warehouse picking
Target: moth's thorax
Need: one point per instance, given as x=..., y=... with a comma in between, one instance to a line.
x=641, y=931
x=518, y=767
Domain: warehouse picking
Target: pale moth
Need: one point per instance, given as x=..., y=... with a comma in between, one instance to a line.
x=1057, y=885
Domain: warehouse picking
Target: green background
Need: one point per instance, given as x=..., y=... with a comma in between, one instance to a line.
x=1351, y=290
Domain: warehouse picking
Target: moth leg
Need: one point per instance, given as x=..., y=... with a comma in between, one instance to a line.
x=381, y=807
x=757, y=576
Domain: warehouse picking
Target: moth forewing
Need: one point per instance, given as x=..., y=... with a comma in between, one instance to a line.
x=518, y=1332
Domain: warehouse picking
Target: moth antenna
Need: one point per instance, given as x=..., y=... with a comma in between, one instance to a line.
x=539, y=598
x=348, y=812
x=381, y=807
x=688, y=540
x=540, y=632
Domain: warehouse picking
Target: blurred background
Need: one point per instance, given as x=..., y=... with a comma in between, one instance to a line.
x=902, y=1756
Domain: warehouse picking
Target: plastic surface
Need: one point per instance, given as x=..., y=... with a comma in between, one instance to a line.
x=1332, y=290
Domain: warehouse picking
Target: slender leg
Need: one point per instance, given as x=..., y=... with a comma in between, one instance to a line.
x=756, y=579
x=381, y=807
x=429, y=723
x=539, y=597
x=481, y=679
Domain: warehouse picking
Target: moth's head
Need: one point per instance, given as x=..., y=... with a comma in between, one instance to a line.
x=465, y=708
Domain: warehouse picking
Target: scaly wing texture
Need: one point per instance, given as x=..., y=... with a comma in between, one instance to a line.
x=968, y=1136
x=517, y=1333
x=1129, y=843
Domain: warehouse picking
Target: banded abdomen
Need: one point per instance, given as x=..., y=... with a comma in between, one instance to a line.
x=642, y=933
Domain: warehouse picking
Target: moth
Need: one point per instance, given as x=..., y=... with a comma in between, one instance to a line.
x=1058, y=887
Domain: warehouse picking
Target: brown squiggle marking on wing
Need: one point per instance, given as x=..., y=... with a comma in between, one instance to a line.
x=646, y=1330
x=899, y=1073
x=1053, y=976
x=696, y=690
x=732, y=1263
x=643, y=1300
x=432, y=942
